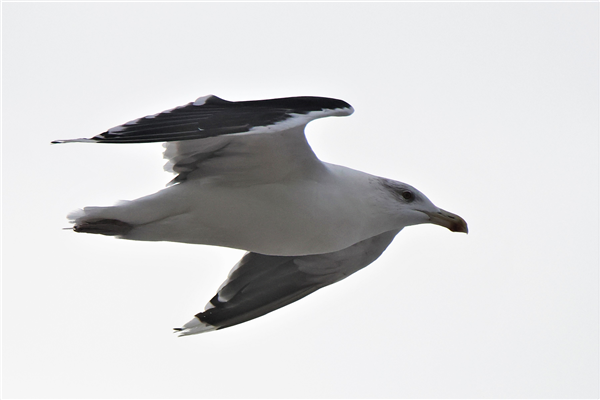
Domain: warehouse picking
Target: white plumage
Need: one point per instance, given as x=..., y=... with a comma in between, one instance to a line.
x=248, y=179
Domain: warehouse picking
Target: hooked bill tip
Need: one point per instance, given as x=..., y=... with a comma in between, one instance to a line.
x=449, y=220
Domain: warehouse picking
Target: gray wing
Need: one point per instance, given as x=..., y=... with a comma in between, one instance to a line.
x=259, y=284
x=264, y=139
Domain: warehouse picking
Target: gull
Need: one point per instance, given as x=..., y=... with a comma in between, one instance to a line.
x=246, y=178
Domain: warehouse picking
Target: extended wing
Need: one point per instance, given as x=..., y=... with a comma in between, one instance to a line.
x=210, y=116
x=215, y=137
x=259, y=284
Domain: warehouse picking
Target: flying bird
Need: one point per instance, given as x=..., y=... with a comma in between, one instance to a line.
x=246, y=178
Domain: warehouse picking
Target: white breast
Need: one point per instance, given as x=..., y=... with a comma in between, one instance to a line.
x=295, y=217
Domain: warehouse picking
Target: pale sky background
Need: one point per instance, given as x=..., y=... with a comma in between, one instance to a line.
x=490, y=109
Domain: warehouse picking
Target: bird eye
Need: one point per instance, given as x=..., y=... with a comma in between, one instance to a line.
x=408, y=195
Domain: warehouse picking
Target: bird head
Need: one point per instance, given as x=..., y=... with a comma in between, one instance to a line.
x=411, y=207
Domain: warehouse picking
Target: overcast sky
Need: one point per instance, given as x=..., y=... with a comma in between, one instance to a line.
x=490, y=109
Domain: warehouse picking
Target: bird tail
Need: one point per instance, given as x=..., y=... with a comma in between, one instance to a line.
x=89, y=221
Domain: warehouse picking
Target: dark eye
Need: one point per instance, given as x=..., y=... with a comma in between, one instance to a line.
x=408, y=195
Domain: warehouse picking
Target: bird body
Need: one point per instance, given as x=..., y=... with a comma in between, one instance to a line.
x=295, y=217
x=248, y=179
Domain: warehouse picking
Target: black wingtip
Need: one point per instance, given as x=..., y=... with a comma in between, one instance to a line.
x=80, y=140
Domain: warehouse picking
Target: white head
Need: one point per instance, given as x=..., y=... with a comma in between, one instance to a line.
x=411, y=207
